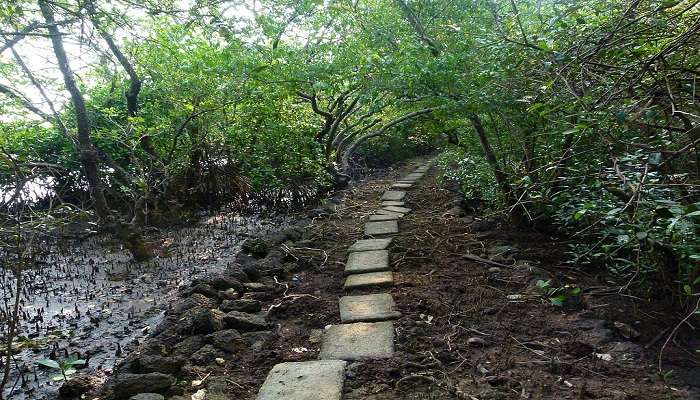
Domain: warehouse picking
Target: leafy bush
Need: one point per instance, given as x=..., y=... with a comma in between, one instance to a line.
x=471, y=175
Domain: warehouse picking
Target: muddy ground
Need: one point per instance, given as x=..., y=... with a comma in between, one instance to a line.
x=87, y=299
x=468, y=331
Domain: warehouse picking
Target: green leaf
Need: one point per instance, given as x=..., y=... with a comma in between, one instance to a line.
x=49, y=363
x=557, y=301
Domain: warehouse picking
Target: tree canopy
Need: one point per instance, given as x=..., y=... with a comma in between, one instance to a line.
x=579, y=118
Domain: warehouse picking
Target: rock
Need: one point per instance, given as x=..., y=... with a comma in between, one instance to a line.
x=244, y=305
x=203, y=289
x=76, y=386
x=244, y=321
x=293, y=233
x=257, y=340
x=127, y=385
x=255, y=247
x=258, y=287
x=243, y=260
x=235, y=272
x=205, y=355
x=229, y=294
x=156, y=363
x=189, y=345
x=207, y=321
x=219, y=281
x=147, y=396
x=252, y=272
x=626, y=330
x=228, y=340
x=217, y=385
x=194, y=300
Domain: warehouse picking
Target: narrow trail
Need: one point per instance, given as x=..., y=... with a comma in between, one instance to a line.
x=393, y=290
x=367, y=330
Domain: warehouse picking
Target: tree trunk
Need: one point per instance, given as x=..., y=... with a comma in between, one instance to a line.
x=418, y=27
x=88, y=154
x=490, y=157
x=132, y=95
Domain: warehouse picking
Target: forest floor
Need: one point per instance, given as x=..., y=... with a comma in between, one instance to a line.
x=468, y=330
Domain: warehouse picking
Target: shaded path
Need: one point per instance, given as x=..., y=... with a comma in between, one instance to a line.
x=366, y=331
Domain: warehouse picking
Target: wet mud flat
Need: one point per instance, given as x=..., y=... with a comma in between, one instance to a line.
x=89, y=300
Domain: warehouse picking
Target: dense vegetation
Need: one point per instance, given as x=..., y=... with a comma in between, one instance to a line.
x=579, y=118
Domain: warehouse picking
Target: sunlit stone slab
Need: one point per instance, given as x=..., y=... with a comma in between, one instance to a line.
x=393, y=195
x=359, y=341
x=374, y=228
x=369, y=308
x=310, y=380
x=359, y=281
x=383, y=217
x=367, y=261
x=402, y=210
x=370, y=244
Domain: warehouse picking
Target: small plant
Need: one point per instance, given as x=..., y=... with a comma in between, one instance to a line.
x=557, y=295
x=666, y=375
x=66, y=367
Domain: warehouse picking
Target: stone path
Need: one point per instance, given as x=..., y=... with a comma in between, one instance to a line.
x=366, y=331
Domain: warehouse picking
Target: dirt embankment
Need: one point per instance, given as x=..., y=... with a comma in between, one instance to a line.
x=469, y=330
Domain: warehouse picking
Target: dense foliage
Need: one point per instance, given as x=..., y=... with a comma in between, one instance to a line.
x=575, y=117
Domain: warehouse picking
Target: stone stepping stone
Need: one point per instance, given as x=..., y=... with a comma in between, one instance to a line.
x=394, y=195
x=369, y=308
x=358, y=281
x=367, y=261
x=310, y=380
x=374, y=228
x=383, y=217
x=407, y=179
x=358, y=341
x=402, y=210
x=390, y=213
x=414, y=176
x=393, y=203
x=400, y=185
x=370, y=244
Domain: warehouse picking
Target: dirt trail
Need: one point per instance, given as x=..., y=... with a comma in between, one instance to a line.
x=468, y=330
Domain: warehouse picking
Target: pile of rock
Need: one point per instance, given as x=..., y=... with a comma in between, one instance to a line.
x=218, y=317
